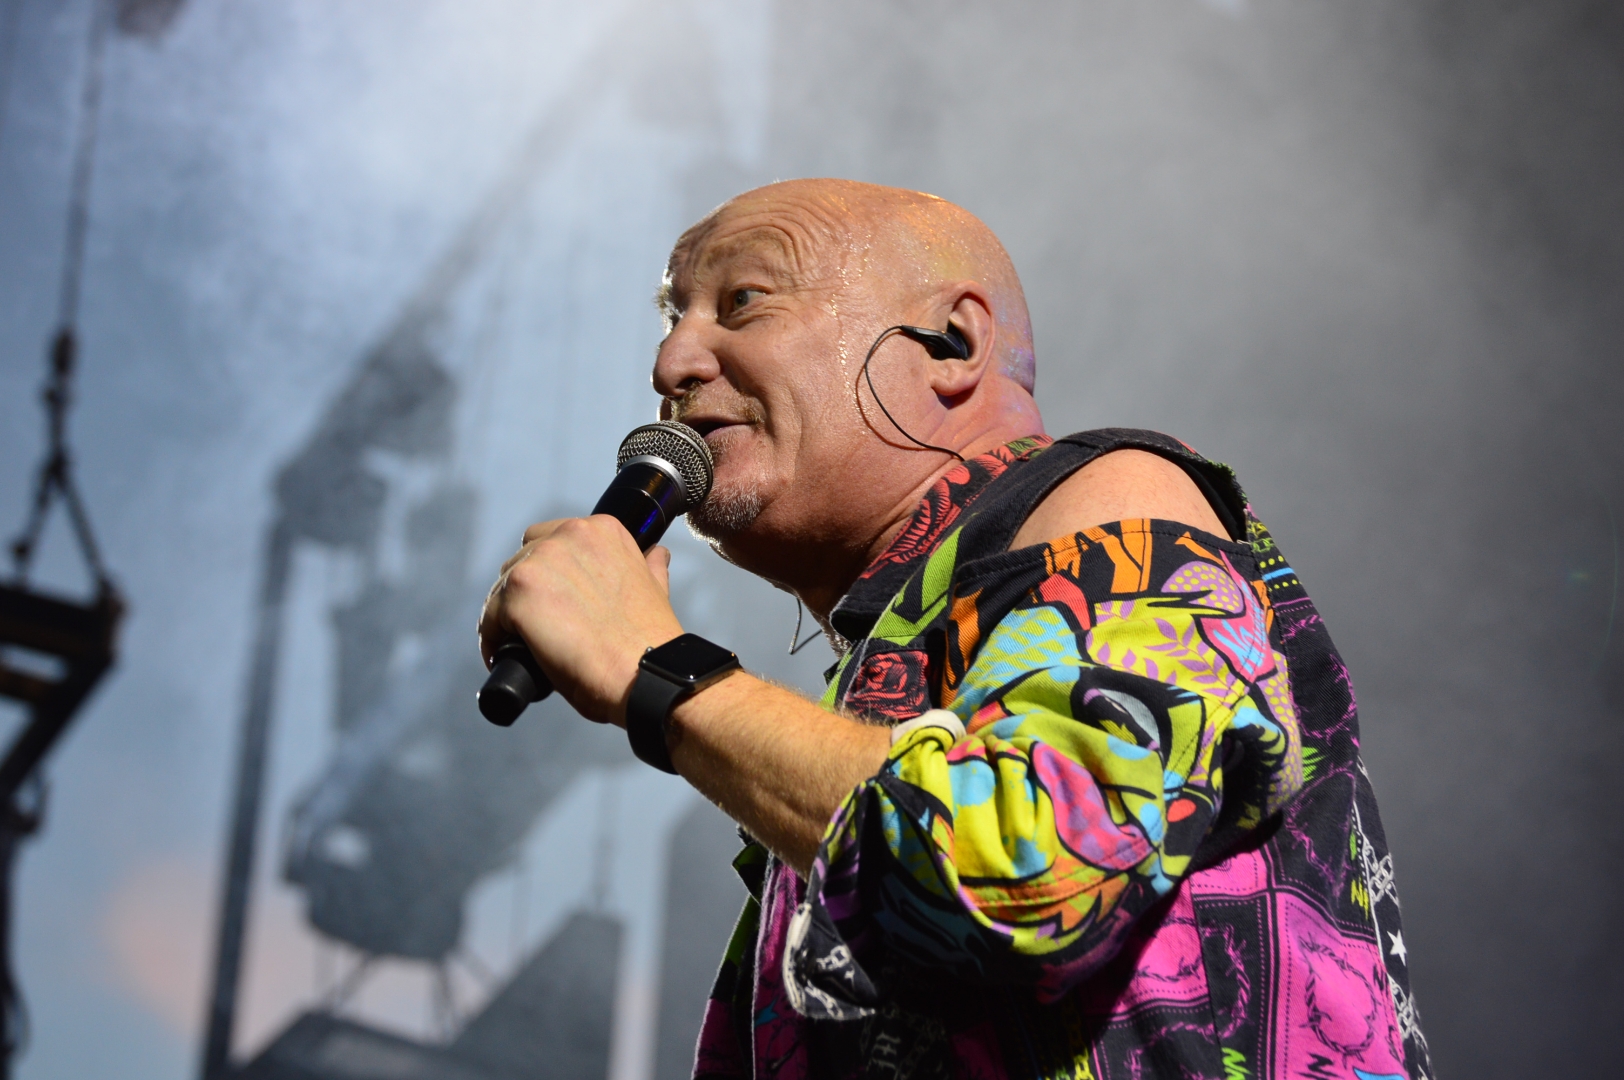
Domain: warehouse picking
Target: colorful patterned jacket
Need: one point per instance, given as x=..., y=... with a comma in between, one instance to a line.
x=1155, y=852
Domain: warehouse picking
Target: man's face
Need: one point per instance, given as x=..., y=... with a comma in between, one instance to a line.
x=761, y=360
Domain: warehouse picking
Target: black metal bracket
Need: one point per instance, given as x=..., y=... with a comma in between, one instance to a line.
x=81, y=637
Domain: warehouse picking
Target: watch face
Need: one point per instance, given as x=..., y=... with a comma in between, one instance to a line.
x=688, y=658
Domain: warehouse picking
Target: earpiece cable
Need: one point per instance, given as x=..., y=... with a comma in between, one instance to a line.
x=870, y=380
x=794, y=648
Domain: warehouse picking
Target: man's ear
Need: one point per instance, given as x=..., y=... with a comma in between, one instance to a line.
x=969, y=313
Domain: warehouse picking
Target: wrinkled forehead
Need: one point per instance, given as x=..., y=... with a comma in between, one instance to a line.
x=799, y=239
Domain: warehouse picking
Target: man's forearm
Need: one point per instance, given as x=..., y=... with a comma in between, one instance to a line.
x=774, y=762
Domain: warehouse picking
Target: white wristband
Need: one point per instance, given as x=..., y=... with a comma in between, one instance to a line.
x=939, y=718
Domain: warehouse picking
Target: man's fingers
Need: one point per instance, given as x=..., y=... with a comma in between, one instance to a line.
x=543, y=529
x=587, y=602
x=492, y=627
x=659, y=564
x=512, y=561
x=535, y=534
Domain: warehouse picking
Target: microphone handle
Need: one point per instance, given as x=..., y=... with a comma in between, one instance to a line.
x=644, y=499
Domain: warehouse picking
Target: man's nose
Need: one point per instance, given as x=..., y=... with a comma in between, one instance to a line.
x=685, y=359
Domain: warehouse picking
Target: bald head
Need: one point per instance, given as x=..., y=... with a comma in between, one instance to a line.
x=908, y=243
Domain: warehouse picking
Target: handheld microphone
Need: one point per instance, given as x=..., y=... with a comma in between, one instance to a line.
x=663, y=470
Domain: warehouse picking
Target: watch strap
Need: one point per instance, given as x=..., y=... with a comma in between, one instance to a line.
x=650, y=704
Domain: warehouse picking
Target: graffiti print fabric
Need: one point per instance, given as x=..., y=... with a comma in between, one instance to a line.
x=1154, y=854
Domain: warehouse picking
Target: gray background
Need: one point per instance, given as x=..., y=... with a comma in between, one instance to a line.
x=1369, y=253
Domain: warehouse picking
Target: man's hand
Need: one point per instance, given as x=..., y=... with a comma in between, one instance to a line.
x=588, y=603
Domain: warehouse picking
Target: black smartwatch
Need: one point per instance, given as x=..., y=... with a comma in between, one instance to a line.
x=666, y=675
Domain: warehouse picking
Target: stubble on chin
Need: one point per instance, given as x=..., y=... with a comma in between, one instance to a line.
x=734, y=503
x=732, y=506
x=727, y=513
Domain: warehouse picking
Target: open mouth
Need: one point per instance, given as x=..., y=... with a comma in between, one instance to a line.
x=707, y=427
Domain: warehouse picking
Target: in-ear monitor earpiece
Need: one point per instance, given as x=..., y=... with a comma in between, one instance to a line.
x=946, y=344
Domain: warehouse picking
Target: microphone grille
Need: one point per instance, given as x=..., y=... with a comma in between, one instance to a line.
x=679, y=444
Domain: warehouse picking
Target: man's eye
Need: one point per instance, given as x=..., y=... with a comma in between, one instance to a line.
x=741, y=297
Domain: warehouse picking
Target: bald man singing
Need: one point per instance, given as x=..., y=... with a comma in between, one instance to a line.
x=1083, y=796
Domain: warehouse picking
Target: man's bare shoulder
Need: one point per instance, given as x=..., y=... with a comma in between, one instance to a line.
x=1119, y=485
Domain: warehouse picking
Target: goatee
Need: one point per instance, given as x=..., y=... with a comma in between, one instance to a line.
x=728, y=512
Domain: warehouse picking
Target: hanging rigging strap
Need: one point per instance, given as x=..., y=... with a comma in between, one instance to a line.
x=55, y=477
